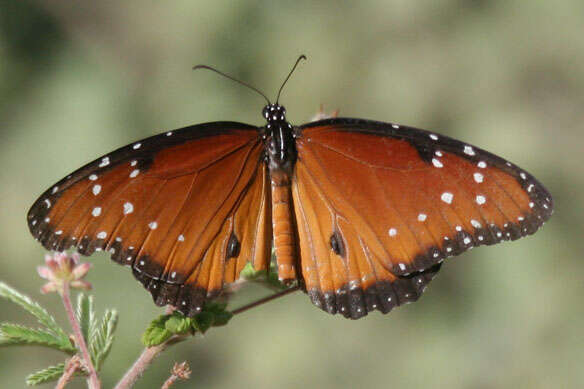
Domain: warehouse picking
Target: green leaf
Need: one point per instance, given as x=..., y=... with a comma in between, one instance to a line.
x=85, y=315
x=203, y=321
x=102, y=338
x=17, y=334
x=249, y=273
x=178, y=323
x=156, y=333
x=51, y=373
x=34, y=308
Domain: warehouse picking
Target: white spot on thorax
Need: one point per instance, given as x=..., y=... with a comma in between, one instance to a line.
x=128, y=208
x=436, y=163
x=422, y=217
x=96, y=189
x=96, y=211
x=480, y=199
x=392, y=232
x=447, y=197
x=469, y=150
x=478, y=177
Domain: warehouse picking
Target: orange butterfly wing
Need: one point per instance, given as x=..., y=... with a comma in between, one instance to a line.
x=379, y=206
x=186, y=210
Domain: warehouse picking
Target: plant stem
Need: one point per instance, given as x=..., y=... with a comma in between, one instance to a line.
x=265, y=300
x=71, y=366
x=92, y=380
x=141, y=364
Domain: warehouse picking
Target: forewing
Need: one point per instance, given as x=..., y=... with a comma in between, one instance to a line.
x=186, y=210
x=379, y=206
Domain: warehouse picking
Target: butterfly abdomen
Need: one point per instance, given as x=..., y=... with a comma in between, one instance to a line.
x=283, y=226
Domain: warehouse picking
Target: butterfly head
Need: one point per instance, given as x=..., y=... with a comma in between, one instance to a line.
x=274, y=113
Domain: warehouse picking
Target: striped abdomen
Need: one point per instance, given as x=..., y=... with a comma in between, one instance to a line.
x=283, y=226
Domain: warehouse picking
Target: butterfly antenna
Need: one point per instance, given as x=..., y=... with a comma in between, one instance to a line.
x=233, y=79
x=289, y=74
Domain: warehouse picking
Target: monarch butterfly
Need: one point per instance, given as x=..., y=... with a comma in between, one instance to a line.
x=361, y=213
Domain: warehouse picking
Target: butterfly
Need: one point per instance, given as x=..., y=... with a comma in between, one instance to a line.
x=361, y=213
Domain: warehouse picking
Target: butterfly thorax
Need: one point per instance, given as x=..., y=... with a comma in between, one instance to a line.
x=279, y=138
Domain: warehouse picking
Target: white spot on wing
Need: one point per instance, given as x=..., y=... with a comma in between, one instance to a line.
x=104, y=162
x=152, y=225
x=469, y=150
x=433, y=136
x=447, y=197
x=93, y=177
x=134, y=173
x=478, y=177
x=480, y=199
x=101, y=235
x=436, y=163
x=128, y=208
x=96, y=189
x=395, y=126
x=58, y=232
x=96, y=211
x=169, y=133
x=466, y=240
x=48, y=203
x=482, y=164
x=137, y=146
x=55, y=189
x=422, y=217
x=392, y=232
x=133, y=163
x=181, y=238
x=475, y=223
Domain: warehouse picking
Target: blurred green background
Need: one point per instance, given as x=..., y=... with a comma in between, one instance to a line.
x=79, y=79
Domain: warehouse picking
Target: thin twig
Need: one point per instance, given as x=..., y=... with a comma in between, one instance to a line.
x=145, y=360
x=265, y=300
x=92, y=380
x=71, y=366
